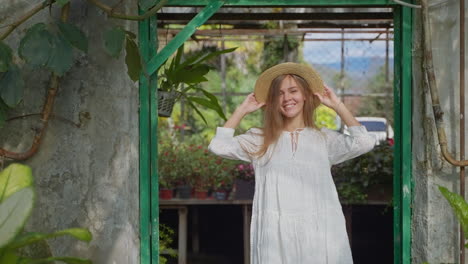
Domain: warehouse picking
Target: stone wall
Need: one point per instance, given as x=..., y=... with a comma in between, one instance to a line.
x=434, y=226
x=85, y=176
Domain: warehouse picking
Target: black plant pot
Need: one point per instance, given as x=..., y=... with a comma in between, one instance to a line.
x=166, y=101
x=244, y=189
x=184, y=191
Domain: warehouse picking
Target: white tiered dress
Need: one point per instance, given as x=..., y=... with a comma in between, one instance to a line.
x=296, y=215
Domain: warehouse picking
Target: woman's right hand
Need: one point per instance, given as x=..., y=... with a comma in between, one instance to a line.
x=250, y=104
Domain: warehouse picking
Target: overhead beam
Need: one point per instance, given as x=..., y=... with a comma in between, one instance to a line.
x=222, y=17
x=287, y=3
x=308, y=25
x=184, y=34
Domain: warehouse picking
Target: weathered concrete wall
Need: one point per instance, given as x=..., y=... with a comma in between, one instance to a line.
x=435, y=228
x=87, y=176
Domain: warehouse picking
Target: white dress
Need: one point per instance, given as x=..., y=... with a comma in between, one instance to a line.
x=296, y=215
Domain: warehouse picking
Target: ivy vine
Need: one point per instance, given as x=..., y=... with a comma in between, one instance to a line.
x=51, y=46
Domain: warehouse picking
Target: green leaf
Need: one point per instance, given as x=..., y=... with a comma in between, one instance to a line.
x=113, y=41
x=199, y=58
x=196, y=110
x=69, y=260
x=209, y=104
x=9, y=257
x=35, y=47
x=133, y=60
x=14, y=211
x=147, y=4
x=459, y=205
x=214, y=101
x=30, y=238
x=74, y=35
x=61, y=57
x=213, y=54
x=11, y=86
x=5, y=57
x=194, y=74
x=62, y=2
x=14, y=178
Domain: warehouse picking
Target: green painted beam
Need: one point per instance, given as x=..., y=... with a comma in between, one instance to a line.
x=144, y=152
x=406, y=153
x=153, y=118
x=285, y=3
x=397, y=147
x=156, y=61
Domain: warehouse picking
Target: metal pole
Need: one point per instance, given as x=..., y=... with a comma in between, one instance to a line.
x=462, y=118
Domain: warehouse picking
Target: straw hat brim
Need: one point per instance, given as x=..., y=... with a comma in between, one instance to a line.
x=262, y=86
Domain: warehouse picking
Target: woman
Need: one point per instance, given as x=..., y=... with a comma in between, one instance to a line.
x=296, y=214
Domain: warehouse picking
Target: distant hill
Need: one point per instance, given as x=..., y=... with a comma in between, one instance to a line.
x=358, y=70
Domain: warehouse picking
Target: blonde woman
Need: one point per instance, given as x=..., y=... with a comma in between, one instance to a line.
x=296, y=214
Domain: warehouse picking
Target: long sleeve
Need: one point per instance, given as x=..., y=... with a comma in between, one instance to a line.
x=343, y=147
x=226, y=145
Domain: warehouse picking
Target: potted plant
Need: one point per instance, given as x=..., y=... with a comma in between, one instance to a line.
x=183, y=76
x=200, y=161
x=244, y=181
x=166, y=170
x=222, y=179
x=367, y=177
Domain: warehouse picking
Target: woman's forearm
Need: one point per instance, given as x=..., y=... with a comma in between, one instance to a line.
x=346, y=115
x=235, y=118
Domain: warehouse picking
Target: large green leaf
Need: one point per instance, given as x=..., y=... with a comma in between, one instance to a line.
x=69, y=260
x=195, y=74
x=61, y=57
x=5, y=57
x=133, y=60
x=14, y=178
x=11, y=86
x=14, y=211
x=459, y=205
x=9, y=257
x=199, y=58
x=214, y=101
x=196, y=110
x=35, y=47
x=74, y=35
x=30, y=238
x=113, y=41
x=209, y=104
x=147, y=4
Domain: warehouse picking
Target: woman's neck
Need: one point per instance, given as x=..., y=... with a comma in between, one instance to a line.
x=294, y=123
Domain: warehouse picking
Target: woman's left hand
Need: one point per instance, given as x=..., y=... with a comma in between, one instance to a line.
x=328, y=98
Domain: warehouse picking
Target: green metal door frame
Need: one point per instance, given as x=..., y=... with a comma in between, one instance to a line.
x=149, y=202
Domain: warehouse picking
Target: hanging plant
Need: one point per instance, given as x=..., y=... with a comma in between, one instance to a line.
x=181, y=78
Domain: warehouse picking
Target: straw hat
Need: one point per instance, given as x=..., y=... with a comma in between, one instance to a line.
x=262, y=86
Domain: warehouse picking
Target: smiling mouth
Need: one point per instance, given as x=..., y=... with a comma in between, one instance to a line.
x=289, y=106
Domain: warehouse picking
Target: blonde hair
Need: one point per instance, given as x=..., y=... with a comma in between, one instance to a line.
x=273, y=120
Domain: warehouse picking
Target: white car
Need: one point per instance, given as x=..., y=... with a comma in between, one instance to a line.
x=377, y=127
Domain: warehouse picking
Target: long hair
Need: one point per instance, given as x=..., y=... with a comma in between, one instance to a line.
x=273, y=120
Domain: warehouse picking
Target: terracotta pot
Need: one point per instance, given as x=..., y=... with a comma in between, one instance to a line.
x=201, y=195
x=165, y=194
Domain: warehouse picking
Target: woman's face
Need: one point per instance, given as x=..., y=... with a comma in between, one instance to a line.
x=291, y=98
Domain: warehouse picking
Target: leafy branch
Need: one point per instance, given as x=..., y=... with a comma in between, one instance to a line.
x=25, y=17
